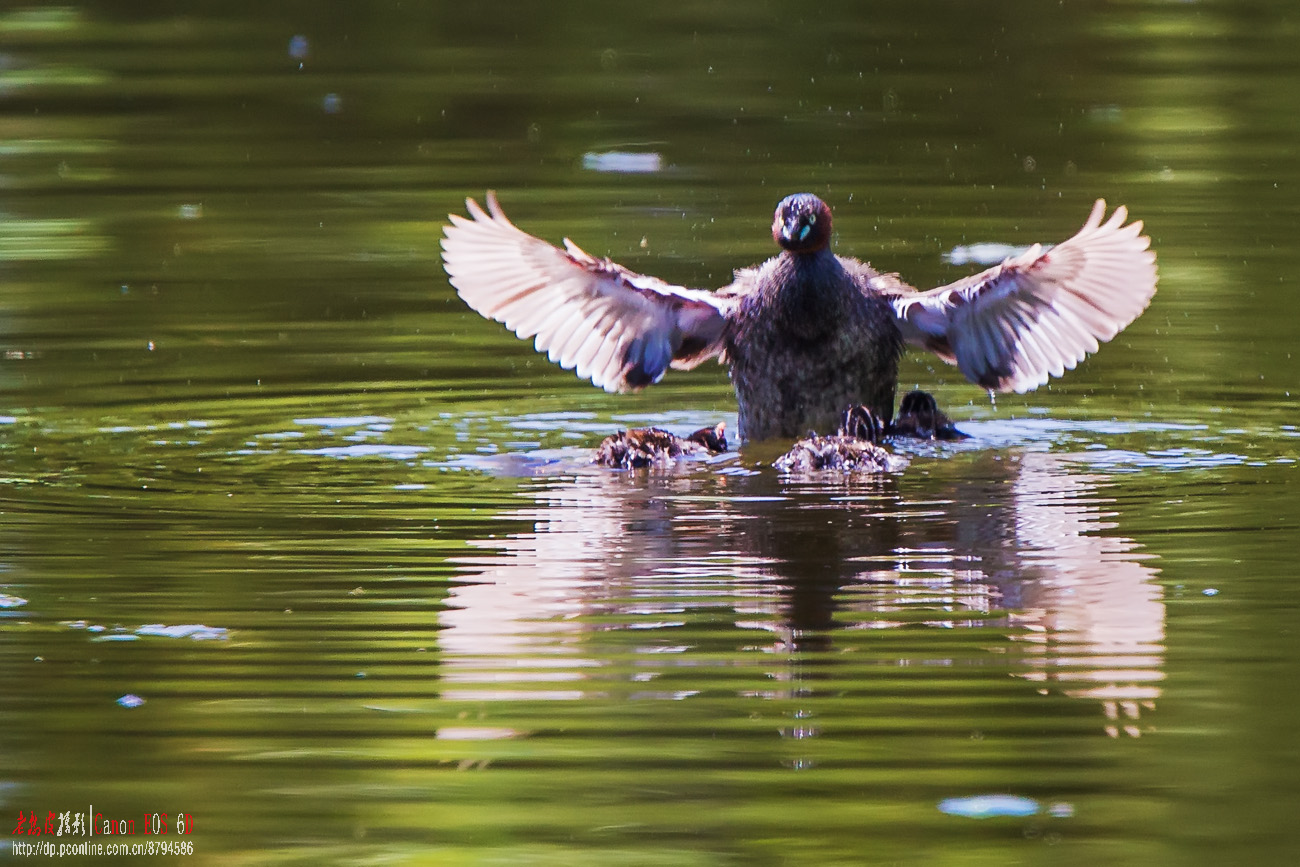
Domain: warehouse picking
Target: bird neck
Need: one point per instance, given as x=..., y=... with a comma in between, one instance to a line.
x=814, y=275
x=809, y=290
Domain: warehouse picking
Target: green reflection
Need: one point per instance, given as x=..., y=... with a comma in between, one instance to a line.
x=239, y=393
x=42, y=240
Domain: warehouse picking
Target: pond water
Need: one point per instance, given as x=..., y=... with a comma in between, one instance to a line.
x=300, y=552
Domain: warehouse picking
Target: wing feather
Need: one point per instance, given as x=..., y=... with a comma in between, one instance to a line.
x=1038, y=314
x=619, y=329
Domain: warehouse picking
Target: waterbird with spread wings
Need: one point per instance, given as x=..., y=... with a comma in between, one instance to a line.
x=806, y=333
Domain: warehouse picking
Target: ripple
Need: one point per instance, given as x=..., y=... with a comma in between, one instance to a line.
x=367, y=450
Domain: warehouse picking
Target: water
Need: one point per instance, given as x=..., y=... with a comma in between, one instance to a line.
x=263, y=472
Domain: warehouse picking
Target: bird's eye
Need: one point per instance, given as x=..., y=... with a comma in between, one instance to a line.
x=812, y=218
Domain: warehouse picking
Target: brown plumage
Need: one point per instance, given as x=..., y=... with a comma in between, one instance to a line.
x=807, y=332
x=920, y=417
x=655, y=447
x=851, y=449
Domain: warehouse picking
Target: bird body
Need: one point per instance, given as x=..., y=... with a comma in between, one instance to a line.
x=811, y=335
x=655, y=447
x=853, y=448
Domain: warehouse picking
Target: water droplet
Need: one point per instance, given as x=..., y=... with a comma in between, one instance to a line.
x=299, y=47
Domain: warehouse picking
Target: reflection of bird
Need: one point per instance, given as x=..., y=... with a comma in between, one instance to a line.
x=852, y=448
x=654, y=447
x=806, y=333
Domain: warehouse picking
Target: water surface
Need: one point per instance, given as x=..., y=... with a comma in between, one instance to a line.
x=263, y=471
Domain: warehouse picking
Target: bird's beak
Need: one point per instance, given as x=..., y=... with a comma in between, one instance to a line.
x=790, y=229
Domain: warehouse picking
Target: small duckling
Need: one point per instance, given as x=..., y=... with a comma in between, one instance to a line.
x=852, y=449
x=655, y=447
x=919, y=416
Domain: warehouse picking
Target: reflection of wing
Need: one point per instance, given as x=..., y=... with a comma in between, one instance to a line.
x=1038, y=314
x=619, y=329
x=1095, y=610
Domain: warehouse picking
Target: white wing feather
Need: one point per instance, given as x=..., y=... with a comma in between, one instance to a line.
x=1038, y=314
x=619, y=329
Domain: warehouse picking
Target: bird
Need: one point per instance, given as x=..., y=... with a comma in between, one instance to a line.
x=853, y=448
x=656, y=447
x=919, y=417
x=806, y=333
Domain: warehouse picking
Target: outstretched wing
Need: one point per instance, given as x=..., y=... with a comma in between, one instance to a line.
x=619, y=329
x=1038, y=314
